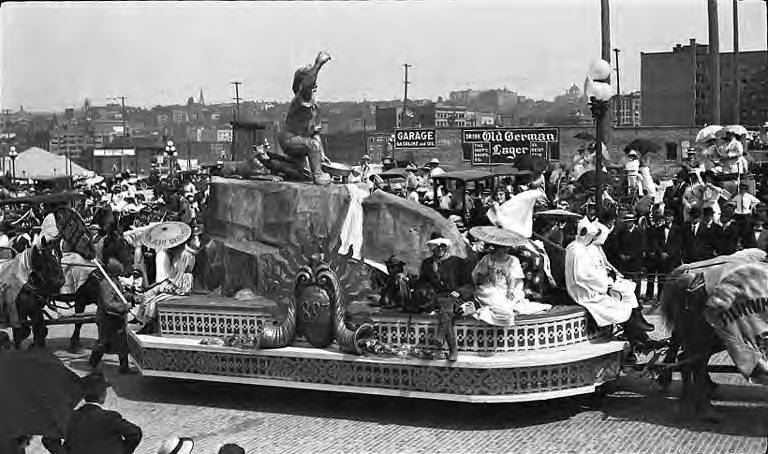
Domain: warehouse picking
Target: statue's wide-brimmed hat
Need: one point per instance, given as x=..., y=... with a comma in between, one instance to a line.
x=498, y=236
x=167, y=235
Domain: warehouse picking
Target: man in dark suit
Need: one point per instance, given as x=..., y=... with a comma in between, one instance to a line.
x=665, y=250
x=757, y=237
x=696, y=243
x=730, y=240
x=94, y=430
x=628, y=248
x=673, y=195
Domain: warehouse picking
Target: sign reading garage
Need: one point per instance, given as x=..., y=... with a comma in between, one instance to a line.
x=415, y=138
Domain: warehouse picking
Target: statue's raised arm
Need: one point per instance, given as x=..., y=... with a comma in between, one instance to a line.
x=299, y=138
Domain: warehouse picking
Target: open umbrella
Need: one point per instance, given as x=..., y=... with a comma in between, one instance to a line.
x=584, y=136
x=736, y=129
x=643, y=146
x=167, y=235
x=587, y=179
x=37, y=394
x=708, y=133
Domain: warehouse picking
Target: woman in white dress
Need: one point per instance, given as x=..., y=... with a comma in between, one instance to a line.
x=499, y=280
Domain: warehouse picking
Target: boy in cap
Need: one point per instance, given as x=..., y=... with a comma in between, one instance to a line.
x=94, y=430
x=110, y=320
x=443, y=279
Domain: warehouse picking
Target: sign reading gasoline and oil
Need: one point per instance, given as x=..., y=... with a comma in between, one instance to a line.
x=415, y=138
x=503, y=146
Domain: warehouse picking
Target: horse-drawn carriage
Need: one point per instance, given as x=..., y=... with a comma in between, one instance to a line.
x=35, y=278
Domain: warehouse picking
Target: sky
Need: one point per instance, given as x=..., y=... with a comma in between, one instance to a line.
x=54, y=55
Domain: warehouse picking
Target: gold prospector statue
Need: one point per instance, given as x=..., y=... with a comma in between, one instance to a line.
x=300, y=136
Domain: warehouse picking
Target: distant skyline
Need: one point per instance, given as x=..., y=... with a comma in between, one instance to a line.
x=54, y=55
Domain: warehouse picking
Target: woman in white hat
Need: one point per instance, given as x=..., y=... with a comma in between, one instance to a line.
x=500, y=280
x=435, y=169
x=632, y=170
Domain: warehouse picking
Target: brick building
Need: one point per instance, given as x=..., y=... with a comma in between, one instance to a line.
x=675, y=87
x=627, y=109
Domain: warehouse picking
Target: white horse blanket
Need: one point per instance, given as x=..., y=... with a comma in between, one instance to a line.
x=737, y=308
x=14, y=274
x=75, y=274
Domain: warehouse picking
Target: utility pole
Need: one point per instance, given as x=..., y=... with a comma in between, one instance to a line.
x=618, y=89
x=735, y=67
x=6, y=114
x=714, y=62
x=406, y=82
x=766, y=27
x=604, y=124
x=237, y=98
x=236, y=116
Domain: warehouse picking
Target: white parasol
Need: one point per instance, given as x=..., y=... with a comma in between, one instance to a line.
x=736, y=129
x=708, y=133
x=167, y=235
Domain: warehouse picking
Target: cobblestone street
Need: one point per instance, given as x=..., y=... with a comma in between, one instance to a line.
x=633, y=418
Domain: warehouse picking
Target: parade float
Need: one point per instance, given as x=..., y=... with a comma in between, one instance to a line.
x=290, y=272
x=286, y=308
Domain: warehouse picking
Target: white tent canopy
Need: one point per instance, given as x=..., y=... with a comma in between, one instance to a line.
x=36, y=162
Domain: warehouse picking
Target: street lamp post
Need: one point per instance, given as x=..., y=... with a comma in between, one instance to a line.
x=599, y=92
x=170, y=150
x=13, y=154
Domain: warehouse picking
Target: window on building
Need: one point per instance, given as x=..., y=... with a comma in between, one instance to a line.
x=671, y=151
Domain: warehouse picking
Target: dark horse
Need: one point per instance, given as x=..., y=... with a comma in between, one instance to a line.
x=683, y=301
x=114, y=245
x=44, y=280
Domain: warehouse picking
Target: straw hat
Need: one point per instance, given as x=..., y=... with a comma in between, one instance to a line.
x=497, y=236
x=177, y=445
x=437, y=239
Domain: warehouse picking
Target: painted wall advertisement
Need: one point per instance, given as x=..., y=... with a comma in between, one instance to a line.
x=503, y=146
x=415, y=138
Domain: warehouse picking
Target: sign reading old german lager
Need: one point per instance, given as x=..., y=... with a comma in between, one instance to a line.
x=415, y=138
x=503, y=146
